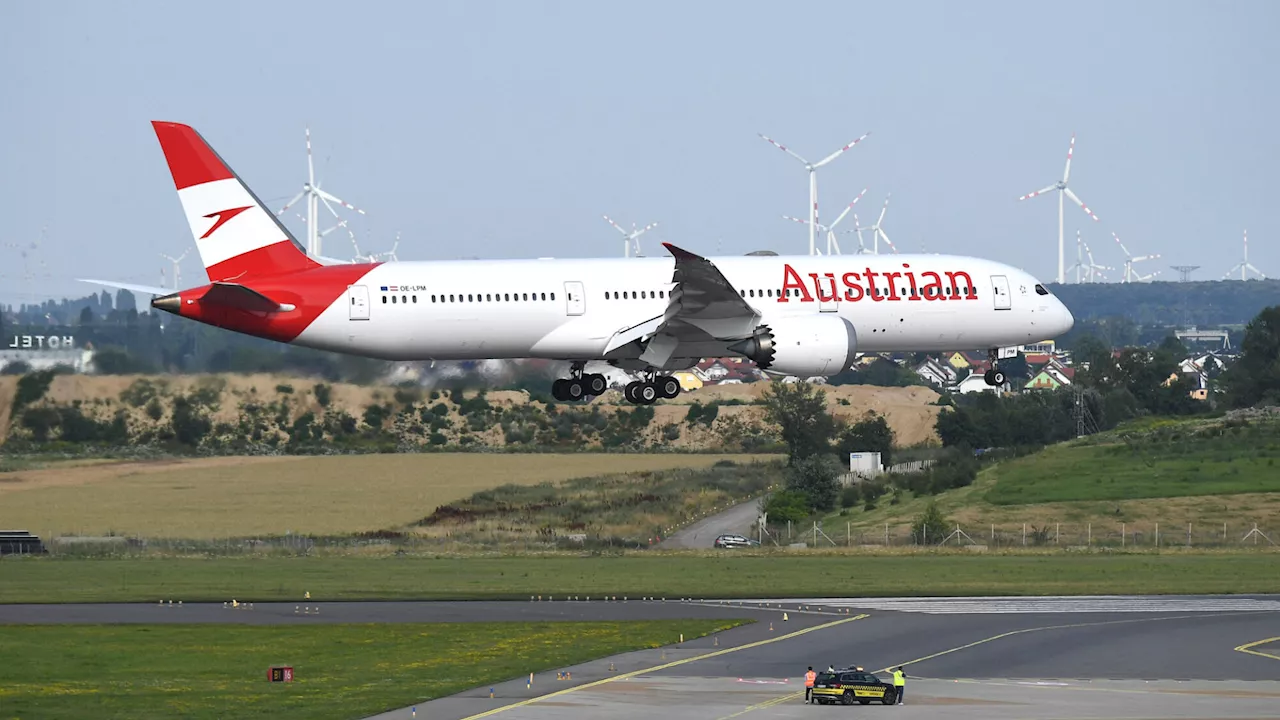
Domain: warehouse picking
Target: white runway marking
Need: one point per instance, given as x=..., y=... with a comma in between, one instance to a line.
x=1025, y=605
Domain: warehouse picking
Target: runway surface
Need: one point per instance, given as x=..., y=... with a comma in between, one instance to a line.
x=1070, y=657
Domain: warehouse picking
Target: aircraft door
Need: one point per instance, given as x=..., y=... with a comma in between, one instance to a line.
x=358, y=302
x=575, y=298
x=1000, y=292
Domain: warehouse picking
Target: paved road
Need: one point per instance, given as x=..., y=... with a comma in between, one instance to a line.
x=737, y=520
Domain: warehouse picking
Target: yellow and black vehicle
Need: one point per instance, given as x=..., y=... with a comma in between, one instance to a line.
x=852, y=685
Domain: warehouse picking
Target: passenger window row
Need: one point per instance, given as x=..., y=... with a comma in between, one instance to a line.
x=471, y=297
x=633, y=295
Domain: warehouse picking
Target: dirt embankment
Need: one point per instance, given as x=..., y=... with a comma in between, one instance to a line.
x=909, y=411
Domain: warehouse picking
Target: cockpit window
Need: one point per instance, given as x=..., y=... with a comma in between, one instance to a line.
x=1040, y=290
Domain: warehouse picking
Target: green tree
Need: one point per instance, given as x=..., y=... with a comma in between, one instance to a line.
x=818, y=477
x=870, y=434
x=787, y=506
x=1254, y=378
x=799, y=409
x=930, y=526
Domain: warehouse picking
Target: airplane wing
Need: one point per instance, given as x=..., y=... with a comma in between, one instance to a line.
x=703, y=308
x=143, y=289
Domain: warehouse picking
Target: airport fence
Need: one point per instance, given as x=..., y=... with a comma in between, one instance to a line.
x=1045, y=535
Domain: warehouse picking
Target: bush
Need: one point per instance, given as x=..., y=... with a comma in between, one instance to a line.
x=324, y=394
x=190, y=426
x=850, y=496
x=930, y=527
x=32, y=388
x=818, y=477
x=787, y=506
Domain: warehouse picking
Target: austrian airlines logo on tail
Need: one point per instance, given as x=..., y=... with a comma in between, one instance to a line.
x=223, y=216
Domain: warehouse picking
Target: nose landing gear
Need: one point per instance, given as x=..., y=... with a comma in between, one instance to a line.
x=994, y=377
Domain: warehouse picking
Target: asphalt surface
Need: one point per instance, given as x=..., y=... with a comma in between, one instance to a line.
x=1135, y=657
x=737, y=520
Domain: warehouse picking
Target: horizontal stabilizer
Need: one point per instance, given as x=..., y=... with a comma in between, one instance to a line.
x=238, y=296
x=144, y=289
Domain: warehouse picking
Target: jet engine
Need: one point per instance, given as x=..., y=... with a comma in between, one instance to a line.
x=804, y=346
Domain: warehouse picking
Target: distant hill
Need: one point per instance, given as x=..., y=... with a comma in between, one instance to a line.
x=1205, y=304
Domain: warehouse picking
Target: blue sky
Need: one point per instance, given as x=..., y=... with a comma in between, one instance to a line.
x=507, y=129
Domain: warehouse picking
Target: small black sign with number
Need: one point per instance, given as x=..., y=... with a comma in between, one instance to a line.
x=280, y=674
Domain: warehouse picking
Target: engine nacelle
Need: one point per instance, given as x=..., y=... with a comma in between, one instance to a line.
x=804, y=346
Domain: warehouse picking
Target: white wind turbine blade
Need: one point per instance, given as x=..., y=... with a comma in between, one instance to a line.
x=1078, y=202
x=617, y=226
x=795, y=219
x=1123, y=249
x=331, y=198
x=841, y=151
x=783, y=148
x=886, y=240
x=1141, y=258
x=847, y=209
x=1070, y=149
x=311, y=167
x=883, y=209
x=289, y=204
x=342, y=223
x=1041, y=191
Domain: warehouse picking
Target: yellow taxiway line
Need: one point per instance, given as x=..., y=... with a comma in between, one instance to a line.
x=656, y=668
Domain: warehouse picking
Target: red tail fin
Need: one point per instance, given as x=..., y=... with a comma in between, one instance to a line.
x=235, y=233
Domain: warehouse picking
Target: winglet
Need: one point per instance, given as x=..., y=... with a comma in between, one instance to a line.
x=680, y=253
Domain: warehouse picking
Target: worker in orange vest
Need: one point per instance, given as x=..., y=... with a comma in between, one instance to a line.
x=809, y=677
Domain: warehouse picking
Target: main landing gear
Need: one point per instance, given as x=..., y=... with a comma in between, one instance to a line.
x=651, y=388
x=995, y=376
x=578, y=385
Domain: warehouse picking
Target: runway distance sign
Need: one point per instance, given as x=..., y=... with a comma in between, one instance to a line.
x=280, y=674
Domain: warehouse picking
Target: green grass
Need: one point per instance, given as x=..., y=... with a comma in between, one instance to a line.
x=341, y=671
x=1152, y=461
x=719, y=576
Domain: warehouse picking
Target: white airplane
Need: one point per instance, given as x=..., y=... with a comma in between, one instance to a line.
x=798, y=316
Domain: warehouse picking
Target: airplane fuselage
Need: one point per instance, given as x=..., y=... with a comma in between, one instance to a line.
x=571, y=309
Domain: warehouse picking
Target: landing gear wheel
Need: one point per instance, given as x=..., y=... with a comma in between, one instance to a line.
x=647, y=393
x=574, y=389
x=629, y=392
x=997, y=377
x=558, y=390
x=846, y=698
x=987, y=377
x=668, y=387
x=595, y=384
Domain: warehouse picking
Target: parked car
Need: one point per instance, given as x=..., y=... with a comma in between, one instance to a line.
x=733, y=541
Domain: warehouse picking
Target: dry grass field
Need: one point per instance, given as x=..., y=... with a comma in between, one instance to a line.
x=245, y=496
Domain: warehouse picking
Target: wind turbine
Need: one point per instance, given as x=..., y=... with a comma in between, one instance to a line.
x=315, y=197
x=632, y=238
x=1062, y=189
x=812, y=169
x=833, y=246
x=877, y=230
x=177, y=269
x=1129, y=275
x=1086, y=271
x=1243, y=266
